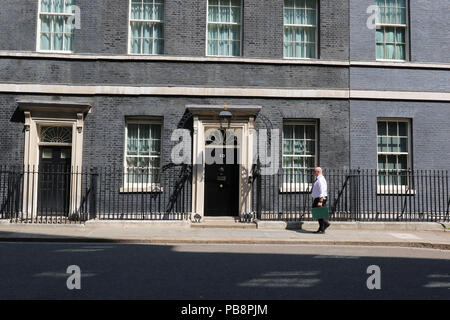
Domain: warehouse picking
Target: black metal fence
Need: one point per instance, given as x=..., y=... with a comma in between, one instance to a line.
x=72, y=195
x=64, y=195
x=356, y=195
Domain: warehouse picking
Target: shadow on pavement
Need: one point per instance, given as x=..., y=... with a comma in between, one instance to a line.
x=137, y=271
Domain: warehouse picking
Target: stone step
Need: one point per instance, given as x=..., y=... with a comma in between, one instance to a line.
x=224, y=223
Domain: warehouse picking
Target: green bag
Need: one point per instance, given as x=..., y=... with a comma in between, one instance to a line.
x=320, y=213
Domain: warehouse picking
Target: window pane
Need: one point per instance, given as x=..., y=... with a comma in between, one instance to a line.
x=213, y=31
x=45, y=41
x=381, y=162
x=155, y=147
x=310, y=50
x=68, y=41
x=391, y=162
x=393, y=144
x=288, y=147
x=132, y=161
x=310, y=148
x=299, y=147
x=311, y=4
x=403, y=129
x=236, y=15
x=288, y=50
x=235, y=48
x=288, y=34
x=46, y=6
x=392, y=128
x=156, y=131
x=310, y=132
x=288, y=16
x=288, y=132
x=300, y=17
x=403, y=145
x=235, y=33
x=224, y=49
x=136, y=11
x=299, y=34
x=311, y=17
x=390, y=34
x=147, y=11
x=287, y=162
x=400, y=52
x=213, y=48
x=298, y=162
x=400, y=35
x=289, y=3
x=158, y=46
x=144, y=148
x=381, y=145
x=224, y=14
x=380, y=51
x=310, y=163
x=402, y=162
x=299, y=132
x=380, y=35
x=159, y=12
x=382, y=128
x=58, y=42
x=299, y=3
x=213, y=14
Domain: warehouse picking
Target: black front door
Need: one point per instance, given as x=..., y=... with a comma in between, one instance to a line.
x=54, y=180
x=222, y=185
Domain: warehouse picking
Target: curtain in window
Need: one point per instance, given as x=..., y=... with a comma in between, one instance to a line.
x=224, y=30
x=147, y=34
x=143, y=153
x=299, y=39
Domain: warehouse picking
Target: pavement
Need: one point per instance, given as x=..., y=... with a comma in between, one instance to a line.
x=418, y=235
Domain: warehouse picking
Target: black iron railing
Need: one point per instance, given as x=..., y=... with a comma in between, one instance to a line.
x=72, y=195
x=356, y=195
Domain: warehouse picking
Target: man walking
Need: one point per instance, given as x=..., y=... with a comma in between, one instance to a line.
x=320, y=194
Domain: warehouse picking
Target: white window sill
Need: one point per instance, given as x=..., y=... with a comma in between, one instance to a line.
x=296, y=187
x=68, y=52
x=394, y=190
x=153, y=188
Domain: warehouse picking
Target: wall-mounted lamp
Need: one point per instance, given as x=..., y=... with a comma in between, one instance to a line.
x=225, y=118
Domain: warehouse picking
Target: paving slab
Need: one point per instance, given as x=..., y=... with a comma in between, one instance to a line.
x=179, y=233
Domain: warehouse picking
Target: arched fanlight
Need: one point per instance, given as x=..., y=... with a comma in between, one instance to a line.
x=56, y=134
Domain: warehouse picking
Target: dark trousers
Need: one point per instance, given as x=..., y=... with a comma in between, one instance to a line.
x=322, y=222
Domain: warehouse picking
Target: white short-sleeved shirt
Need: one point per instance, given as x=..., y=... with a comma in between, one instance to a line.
x=320, y=189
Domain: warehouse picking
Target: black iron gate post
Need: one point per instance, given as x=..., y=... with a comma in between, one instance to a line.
x=354, y=194
x=258, y=190
x=93, y=194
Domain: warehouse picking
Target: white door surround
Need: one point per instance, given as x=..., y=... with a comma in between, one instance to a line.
x=206, y=117
x=38, y=114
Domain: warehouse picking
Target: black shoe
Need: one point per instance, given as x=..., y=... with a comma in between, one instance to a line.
x=320, y=231
x=326, y=225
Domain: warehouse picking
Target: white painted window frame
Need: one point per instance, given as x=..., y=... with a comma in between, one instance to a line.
x=380, y=25
x=300, y=187
x=39, y=23
x=227, y=23
x=128, y=187
x=316, y=26
x=145, y=21
x=396, y=189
